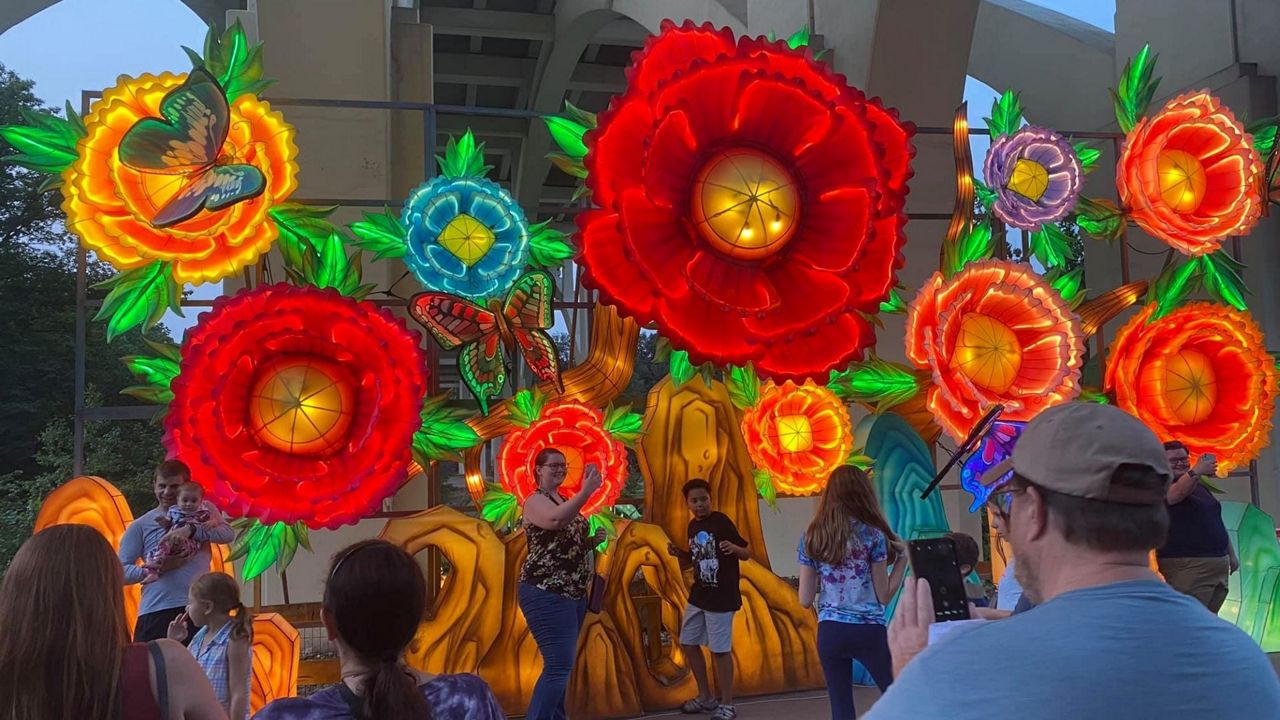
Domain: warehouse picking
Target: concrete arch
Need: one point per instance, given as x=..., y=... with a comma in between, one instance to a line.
x=212, y=12
x=577, y=23
x=1062, y=66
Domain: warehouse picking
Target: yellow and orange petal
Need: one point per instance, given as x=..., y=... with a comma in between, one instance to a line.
x=1201, y=375
x=110, y=205
x=799, y=434
x=1189, y=175
x=995, y=334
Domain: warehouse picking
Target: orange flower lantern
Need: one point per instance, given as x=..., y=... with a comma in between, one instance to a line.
x=995, y=334
x=798, y=434
x=1201, y=375
x=119, y=211
x=1188, y=175
x=576, y=430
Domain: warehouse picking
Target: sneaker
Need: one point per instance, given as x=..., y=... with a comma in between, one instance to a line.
x=724, y=712
x=697, y=706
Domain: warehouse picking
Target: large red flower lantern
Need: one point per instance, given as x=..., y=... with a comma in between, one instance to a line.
x=798, y=434
x=579, y=432
x=995, y=334
x=751, y=202
x=1201, y=375
x=1189, y=175
x=297, y=404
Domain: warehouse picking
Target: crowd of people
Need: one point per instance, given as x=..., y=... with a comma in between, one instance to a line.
x=1081, y=627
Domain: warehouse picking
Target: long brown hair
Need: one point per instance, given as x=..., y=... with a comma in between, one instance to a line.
x=63, y=627
x=376, y=597
x=848, y=496
x=223, y=592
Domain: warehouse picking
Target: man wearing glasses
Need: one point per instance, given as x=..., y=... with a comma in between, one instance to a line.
x=1083, y=508
x=1197, y=559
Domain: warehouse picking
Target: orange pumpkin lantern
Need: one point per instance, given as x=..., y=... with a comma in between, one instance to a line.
x=1188, y=175
x=799, y=434
x=1201, y=375
x=995, y=334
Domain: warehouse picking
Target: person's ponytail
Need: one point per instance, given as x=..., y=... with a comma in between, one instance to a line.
x=242, y=623
x=392, y=692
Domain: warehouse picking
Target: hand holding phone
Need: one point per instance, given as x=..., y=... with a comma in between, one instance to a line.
x=934, y=560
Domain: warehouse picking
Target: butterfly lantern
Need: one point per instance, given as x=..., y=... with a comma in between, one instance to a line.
x=186, y=147
x=516, y=323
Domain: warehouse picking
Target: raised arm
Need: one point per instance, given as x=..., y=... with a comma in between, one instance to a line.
x=544, y=513
x=808, y=586
x=131, y=552
x=887, y=582
x=1186, y=482
x=215, y=531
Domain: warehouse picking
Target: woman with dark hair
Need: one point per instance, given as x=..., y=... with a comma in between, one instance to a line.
x=843, y=563
x=373, y=602
x=66, y=650
x=555, y=576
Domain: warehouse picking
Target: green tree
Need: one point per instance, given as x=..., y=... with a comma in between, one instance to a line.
x=37, y=332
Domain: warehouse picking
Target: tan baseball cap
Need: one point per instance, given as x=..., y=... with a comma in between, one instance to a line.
x=1075, y=448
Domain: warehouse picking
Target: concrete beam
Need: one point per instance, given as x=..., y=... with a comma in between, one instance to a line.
x=490, y=23
x=498, y=71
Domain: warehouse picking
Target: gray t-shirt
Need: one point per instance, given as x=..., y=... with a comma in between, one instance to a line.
x=170, y=591
x=1127, y=650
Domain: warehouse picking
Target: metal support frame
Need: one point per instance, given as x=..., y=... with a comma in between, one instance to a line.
x=431, y=113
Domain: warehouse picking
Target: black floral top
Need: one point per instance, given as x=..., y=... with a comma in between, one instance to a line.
x=557, y=559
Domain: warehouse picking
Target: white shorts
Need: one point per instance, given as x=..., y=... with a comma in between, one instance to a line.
x=712, y=630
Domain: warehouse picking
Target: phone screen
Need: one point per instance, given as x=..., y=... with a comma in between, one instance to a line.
x=935, y=560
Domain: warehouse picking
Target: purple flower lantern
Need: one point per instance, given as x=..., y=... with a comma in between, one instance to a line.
x=1035, y=174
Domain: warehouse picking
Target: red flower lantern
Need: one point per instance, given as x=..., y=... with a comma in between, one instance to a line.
x=576, y=430
x=751, y=202
x=798, y=434
x=1201, y=375
x=297, y=404
x=1189, y=175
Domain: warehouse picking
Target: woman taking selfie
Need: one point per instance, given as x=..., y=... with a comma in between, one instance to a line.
x=556, y=575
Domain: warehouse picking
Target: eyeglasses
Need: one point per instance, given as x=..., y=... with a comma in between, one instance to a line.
x=1002, y=500
x=555, y=466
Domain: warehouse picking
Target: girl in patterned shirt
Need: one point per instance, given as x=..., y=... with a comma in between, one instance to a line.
x=843, y=565
x=223, y=645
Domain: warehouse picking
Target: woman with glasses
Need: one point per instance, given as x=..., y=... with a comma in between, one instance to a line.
x=555, y=575
x=373, y=602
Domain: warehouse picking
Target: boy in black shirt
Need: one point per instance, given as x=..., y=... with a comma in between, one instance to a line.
x=715, y=548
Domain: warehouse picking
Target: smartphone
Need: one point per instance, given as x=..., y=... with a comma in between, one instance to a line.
x=934, y=560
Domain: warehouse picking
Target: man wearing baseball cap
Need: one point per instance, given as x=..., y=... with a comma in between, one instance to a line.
x=1082, y=506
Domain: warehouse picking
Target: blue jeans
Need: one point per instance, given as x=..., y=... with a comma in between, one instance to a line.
x=555, y=622
x=839, y=644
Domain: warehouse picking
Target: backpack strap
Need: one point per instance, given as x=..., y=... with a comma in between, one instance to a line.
x=162, y=679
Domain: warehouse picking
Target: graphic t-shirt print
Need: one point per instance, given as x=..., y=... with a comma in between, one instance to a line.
x=706, y=558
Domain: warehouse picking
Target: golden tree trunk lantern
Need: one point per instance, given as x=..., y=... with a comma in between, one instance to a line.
x=692, y=432
x=468, y=610
x=276, y=651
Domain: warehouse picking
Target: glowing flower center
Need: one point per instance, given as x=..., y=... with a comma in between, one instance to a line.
x=301, y=406
x=1191, y=386
x=794, y=433
x=1029, y=179
x=467, y=238
x=987, y=352
x=1182, y=180
x=745, y=204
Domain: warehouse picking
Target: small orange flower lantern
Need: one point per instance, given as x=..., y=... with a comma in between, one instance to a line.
x=1188, y=175
x=995, y=334
x=277, y=647
x=798, y=434
x=1201, y=375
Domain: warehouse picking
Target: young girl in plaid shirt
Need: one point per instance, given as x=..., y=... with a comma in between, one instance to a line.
x=223, y=644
